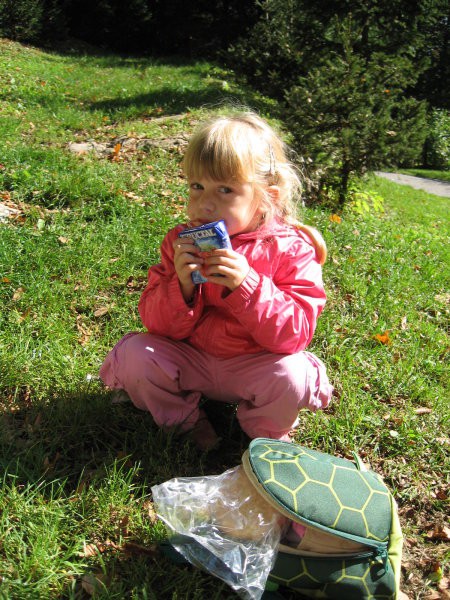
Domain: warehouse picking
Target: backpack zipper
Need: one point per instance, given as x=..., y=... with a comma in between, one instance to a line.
x=378, y=549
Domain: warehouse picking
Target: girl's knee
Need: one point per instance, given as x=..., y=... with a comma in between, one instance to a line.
x=307, y=378
x=291, y=383
x=129, y=359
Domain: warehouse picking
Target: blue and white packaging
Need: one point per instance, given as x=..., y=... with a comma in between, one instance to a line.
x=206, y=238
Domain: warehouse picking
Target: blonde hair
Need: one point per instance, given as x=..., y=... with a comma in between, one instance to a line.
x=247, y=149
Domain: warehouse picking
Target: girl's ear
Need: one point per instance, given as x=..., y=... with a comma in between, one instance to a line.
x=273, y=192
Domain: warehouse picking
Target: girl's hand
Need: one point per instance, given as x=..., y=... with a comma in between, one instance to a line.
x=186, y=260
x=232, y=267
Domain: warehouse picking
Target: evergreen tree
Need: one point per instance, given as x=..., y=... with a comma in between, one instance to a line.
x=21, y=20
x=349, y=115
x=345, y=71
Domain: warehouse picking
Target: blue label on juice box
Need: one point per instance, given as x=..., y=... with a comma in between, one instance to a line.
x=207, y=237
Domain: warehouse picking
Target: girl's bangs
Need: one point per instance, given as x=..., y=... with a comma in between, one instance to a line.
x=218, y=160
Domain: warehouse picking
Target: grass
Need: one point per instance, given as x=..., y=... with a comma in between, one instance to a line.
x=427, y=173
x=75, y=500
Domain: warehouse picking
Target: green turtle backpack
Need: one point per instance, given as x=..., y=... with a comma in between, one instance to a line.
x=352, y=543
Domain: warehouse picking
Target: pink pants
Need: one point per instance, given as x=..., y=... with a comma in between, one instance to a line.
x=168, y=378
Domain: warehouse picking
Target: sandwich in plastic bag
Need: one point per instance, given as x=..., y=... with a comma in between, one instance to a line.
x=221, y=524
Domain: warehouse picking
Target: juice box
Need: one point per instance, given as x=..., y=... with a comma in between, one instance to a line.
x=206, y=238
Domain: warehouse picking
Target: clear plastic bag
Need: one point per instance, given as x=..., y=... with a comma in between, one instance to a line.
x=222, y=525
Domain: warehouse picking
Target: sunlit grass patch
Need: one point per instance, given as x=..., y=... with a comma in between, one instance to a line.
x=75, y=504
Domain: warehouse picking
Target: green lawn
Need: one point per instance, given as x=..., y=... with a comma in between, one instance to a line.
x=427, y=173
x=75, y=504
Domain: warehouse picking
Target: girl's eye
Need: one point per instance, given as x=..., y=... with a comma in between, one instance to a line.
x=196, y=186
x=225, y=190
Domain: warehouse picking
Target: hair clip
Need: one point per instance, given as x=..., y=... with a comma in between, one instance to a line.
x=272, y=161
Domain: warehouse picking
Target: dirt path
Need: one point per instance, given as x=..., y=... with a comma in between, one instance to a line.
x=432, y=186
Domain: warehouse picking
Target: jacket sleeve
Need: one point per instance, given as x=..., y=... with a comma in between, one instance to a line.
x=281, y=311
x=162, y=307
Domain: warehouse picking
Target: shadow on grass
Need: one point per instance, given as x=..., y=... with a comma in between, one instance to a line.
x=109, y=59
x=171, y=100
x=77, y=437
x=73, y=447
x=66, y=446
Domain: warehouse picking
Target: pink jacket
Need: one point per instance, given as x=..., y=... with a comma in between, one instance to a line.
x=275, y=308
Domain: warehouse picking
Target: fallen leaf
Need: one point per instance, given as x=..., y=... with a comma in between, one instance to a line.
x=80, y=487
x=116, y=152
x=89, y=550
x=383, y=338
x=98, y=548
x=444, y=586
x=443, y=440
x=440, y=532
x=149, y=506
x=423, y=410
x=63, y=240
x=444, y=298
x=441, y=494
x=18, y=294
x=133, y=548
x=85, y=332
x=93, y=582
x=103, y=310
x=335, y=218
x=136, y=284
x=435, y=574
x=133, y=196
x=22, y=316
x=49, y=465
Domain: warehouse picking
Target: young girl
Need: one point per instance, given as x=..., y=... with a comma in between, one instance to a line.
x=240, y=337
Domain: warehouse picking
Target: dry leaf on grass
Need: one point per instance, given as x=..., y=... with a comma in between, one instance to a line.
x=84, y=331
x=150, y=509
x=49, y=464
x=101, y=311
x=439, y=532
x=18, y=294
x=133, y=548
x=94, y=582
x=115, y=153
x=132, y=196
x=423, y=410
x=383, y=338
x=98, y=548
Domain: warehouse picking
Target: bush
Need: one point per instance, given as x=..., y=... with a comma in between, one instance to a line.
x=436, y=154
x=348, y=115
x=346, y=72
x=32, y=20
x=21, y=20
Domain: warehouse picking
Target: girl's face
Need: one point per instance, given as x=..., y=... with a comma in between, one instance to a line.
x=236, y=203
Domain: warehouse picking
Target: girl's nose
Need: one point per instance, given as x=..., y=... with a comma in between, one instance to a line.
x=206, y=204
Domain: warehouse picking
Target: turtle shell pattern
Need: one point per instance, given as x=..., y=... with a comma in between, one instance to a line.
x=330, y=493
x=323, y=490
